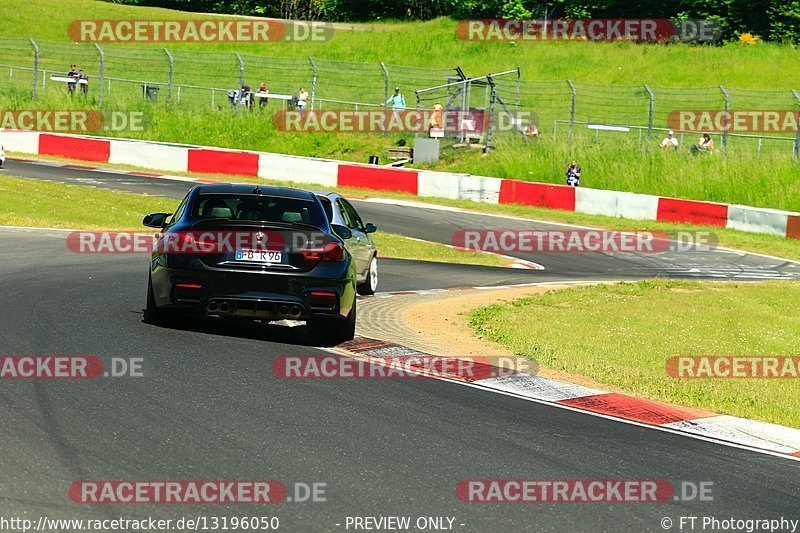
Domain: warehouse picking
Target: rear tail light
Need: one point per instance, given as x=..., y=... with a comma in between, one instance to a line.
x=331, y=251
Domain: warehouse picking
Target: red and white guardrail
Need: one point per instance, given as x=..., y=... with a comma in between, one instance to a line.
x=331, y=173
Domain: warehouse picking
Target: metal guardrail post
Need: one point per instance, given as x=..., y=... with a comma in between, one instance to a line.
x=102, y=72
x=313, y=80
x=241, y=79
x=571, y=112
x=386, y=93
x=169, y=76
x=650, y=115
x=492, y=98
x=241, y=69
x=35, y=64
x=727, y=119
x=797, y=134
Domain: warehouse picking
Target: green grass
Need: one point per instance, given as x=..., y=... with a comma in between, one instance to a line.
x=620, y=335
x=615, y=161
x=34, y=203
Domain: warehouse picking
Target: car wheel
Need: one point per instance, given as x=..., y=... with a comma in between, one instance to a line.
x=152, y=314
x=337, y=329
x=370, y=285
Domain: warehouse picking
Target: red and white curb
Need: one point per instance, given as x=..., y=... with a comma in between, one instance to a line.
x=170, y=157
x=753, y=435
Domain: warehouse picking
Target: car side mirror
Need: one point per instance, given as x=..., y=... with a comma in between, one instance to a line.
x=370, y=228
x=155, y=220
x=342, y=231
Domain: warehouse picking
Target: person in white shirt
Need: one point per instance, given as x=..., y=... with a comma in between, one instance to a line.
x=302, y=99
x=670, y=142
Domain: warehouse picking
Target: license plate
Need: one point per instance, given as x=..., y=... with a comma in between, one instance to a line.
x=259, y=256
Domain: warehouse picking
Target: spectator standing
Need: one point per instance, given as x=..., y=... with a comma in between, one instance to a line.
x=574, y=174
x=84, y=86
x=73, y=73
x=670, y=142
x=246, y=98
x=302, y=99
x=435, y=122
x=397, y=100
x=264, y=91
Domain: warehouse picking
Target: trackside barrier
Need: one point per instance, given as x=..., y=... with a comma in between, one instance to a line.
x=322, y=172
x=223, y=162
x=537, y=194
x=331, y=173
x=694, y=212
x=150, y=155
x=73, y=147
x=757, y=220
x=459, y=186
x=616, y=204
x=24, y=142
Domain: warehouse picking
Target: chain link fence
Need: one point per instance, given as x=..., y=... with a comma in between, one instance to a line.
x=122, y=76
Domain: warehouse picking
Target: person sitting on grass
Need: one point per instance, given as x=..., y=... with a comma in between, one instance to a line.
x=574, y=174
x=670, y=142
x=532, y=131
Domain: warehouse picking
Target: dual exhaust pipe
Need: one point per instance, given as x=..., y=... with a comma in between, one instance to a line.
x=224, y=307
x=291, y=312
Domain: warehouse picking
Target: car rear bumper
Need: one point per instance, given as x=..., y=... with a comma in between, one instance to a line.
x=253, y=295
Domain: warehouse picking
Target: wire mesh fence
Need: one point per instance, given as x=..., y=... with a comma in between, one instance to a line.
x=122, y=76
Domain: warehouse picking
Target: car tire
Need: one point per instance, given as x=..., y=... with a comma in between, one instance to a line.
x=152, y=314
x=337, y=329
x=370, y=285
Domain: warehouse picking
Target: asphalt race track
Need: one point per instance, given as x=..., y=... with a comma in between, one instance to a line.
x=209, y=407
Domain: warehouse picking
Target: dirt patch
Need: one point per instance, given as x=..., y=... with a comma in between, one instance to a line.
x=444, y=322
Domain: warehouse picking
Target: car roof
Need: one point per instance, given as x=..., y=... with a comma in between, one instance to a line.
x=255, y=188
x=328, y=194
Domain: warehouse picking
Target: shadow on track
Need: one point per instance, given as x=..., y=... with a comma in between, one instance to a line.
x=242, y=328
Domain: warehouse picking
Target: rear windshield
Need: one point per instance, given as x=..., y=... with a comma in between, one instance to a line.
x=259, y=208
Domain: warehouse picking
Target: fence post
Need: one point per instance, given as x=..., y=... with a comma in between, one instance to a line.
x=492, y=98
x=727, y=119
x=102, y=72
x=313, y=80
x=386, y=94
x=241, y=69
x=797, y=134
x=571, y=113
x=169, y=76
x=650, y=117
x=519, y=84
x=241, y=80
x=35, y=65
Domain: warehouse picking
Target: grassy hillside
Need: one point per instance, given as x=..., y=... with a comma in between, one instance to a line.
x=421, y=54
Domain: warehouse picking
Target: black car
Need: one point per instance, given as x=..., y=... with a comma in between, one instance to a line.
x=254, y=252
